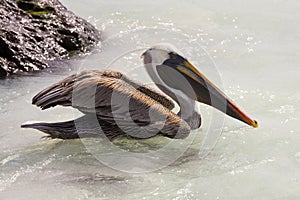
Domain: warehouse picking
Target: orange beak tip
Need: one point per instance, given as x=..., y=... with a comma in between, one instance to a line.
x=255, y=124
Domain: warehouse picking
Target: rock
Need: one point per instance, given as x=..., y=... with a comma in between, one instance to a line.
x=35, y=32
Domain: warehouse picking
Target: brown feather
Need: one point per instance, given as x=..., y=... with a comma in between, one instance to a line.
x=112, y=95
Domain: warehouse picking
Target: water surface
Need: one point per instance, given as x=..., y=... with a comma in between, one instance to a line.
x=250, y=49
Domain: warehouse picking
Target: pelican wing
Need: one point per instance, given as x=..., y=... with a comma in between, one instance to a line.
x=77, y=90
x=117, y=100
x=152, y=93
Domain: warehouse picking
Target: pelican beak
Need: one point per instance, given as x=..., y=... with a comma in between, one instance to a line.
x=204, y=90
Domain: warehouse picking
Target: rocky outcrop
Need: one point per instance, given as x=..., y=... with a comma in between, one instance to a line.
x=35, y=32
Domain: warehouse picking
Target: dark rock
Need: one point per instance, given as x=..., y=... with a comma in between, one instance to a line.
x=35, y=32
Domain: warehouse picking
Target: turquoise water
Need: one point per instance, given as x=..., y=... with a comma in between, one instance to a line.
x=251, y=50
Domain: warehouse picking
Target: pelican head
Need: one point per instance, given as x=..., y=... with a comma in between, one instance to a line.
x=176, y=76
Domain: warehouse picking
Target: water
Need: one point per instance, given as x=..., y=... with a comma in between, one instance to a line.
x=250, y=49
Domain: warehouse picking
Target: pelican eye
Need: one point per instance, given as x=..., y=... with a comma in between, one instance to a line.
x=173, y=55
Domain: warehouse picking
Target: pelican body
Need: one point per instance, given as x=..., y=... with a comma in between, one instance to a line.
x=113, y=104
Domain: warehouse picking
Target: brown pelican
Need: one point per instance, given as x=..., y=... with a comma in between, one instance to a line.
x=121, y=106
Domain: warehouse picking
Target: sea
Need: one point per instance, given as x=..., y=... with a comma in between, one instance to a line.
x=249, y=49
